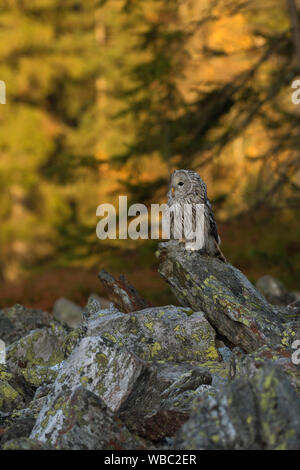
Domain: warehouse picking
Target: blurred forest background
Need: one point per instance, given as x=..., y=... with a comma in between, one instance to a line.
x=107, y=98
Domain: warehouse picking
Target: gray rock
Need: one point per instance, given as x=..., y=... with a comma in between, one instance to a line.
x=66, y=311
x=158, y=396
x=159, y=333
x=230, y=302
x=157, y=407
x=23, y=443
x=247, y=364
x=274, y=291
x=292, y=312
x=105, y=303
x=225, y=353
x=41, y=347
x=86, y=423
x=296, y=295
x=36, y=376
x=262, y=412
x=17, y=321
x=20, y=426
x=101, y=367
x=14, y=392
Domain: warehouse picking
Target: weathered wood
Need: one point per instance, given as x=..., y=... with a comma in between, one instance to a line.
x=119, y=291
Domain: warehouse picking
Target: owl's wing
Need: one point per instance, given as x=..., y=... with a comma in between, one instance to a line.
x=212, y=223
x=170, y=198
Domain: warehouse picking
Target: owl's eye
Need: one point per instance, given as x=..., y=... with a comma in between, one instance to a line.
x=180, y=183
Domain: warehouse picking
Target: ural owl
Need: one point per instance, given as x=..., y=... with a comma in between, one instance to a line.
x=187, y=191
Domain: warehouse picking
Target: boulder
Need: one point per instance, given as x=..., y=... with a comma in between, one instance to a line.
x=17, y=426
x=24, y=443
x=39, y=347
x=138, y=391
x=159, y=333
x=14, y=392
x=156, y=408
x=67, y=312
x=230, y=302
x=17, y=321
x=86, y=423
x=274, y=291
x=247, y=364
x=261, y=412
x=101, y=367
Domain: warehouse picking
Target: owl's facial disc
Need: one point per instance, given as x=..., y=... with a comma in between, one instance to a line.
x=179, y=184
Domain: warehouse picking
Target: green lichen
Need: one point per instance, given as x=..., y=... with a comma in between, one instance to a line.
x=84, y=380
x=155, y=348
x=9, y=397
x=211, y=353
x=149, y=325
x=38, y=375
x=110, y=337
x=102, y=360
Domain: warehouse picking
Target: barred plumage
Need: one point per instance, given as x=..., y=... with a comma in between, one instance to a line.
x=187, y=187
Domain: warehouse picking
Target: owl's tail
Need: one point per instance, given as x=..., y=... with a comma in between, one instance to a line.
x=219, y=254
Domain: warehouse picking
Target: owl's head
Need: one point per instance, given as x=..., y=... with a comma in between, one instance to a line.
x=184, y=182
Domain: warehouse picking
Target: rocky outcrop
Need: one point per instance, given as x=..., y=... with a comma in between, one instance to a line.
x=216, y=373
x=163, y=333
x=86, y=423
x=229, y=301
x=258, y=412
x=144, y=366
x=41, y=347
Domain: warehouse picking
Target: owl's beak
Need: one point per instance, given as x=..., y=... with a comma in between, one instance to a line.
x=173, y=189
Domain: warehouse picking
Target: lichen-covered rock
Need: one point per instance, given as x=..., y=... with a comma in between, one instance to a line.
x=292, y=312
x=230, y=302
x=17, y=321
x=20, y=419
x=39, y=347
x=247, y=364
x=19, y=424
x=157, y=407
x=14, y=392
x=159, y=333
x=173, y=386
x=101, y=367
x=72, y=339
x=9, y=397
x=262, y=412
x=23, y=443
x=38, y=375
x=127, y=385
x=86, y=423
